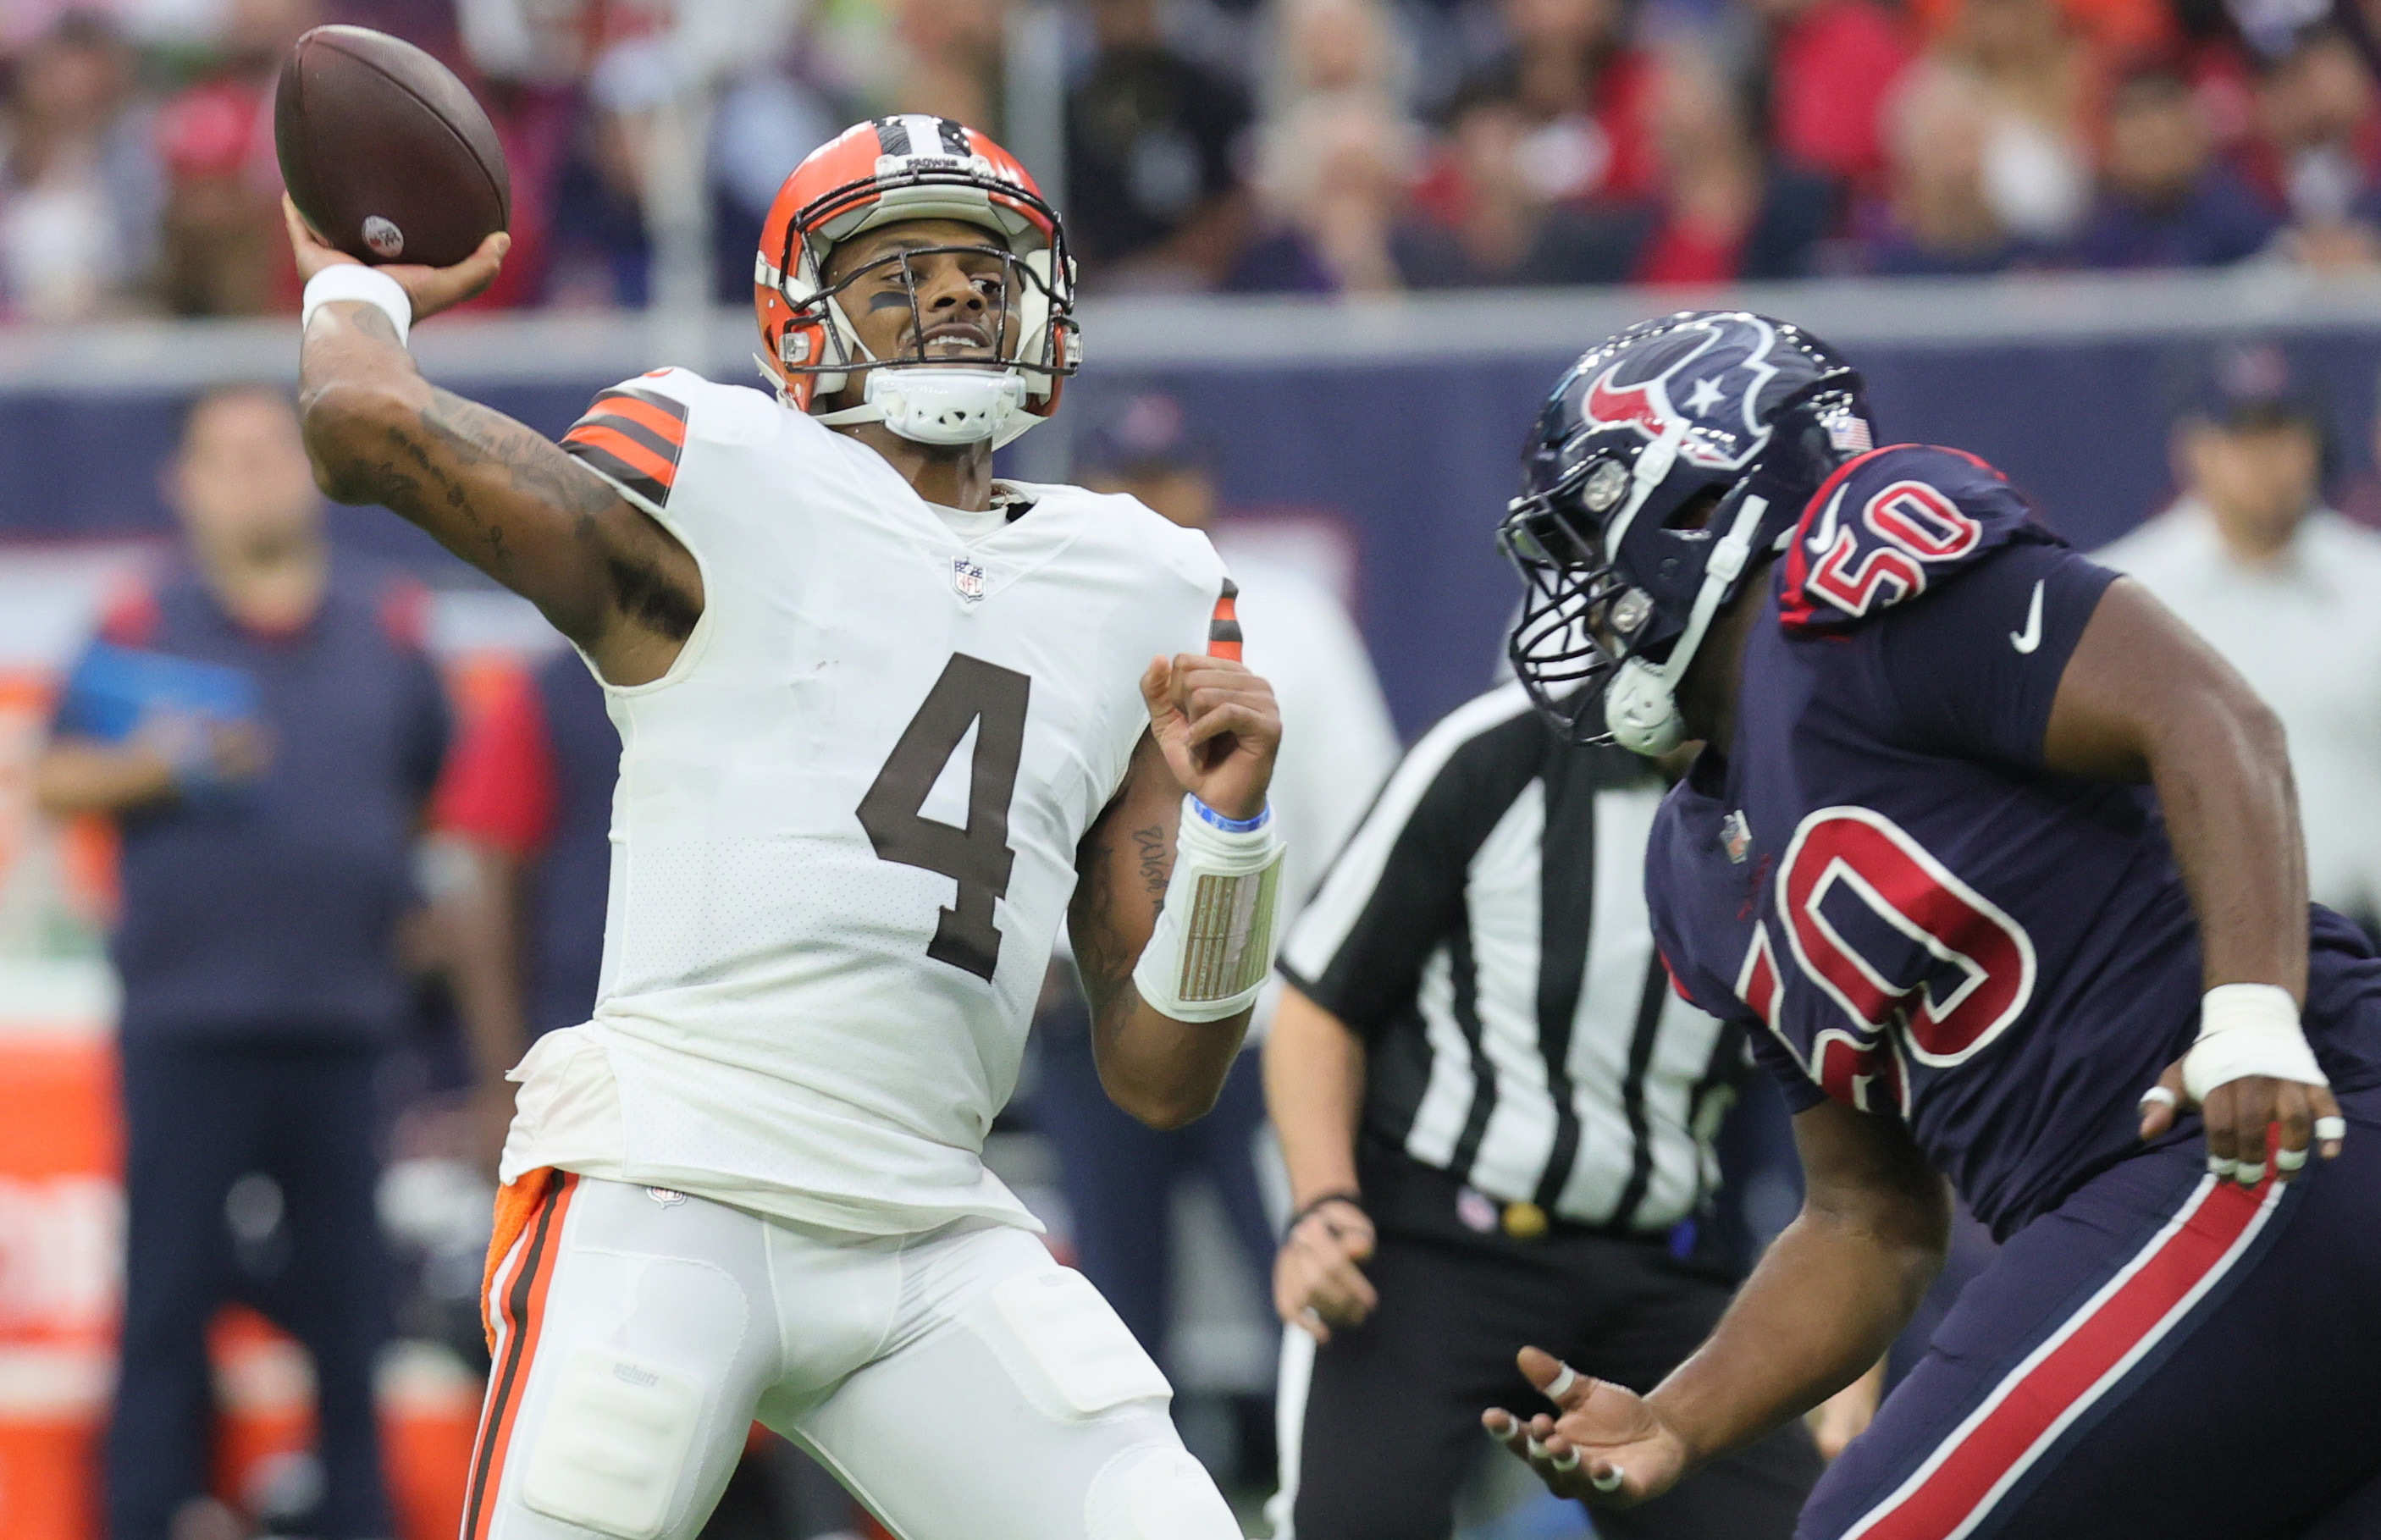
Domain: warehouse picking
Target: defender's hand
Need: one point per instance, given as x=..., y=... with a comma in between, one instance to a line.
x=432, y=289
x=1217, y=726
x=2238, y=1114
x=1317, y=1280
x=1607, y=1448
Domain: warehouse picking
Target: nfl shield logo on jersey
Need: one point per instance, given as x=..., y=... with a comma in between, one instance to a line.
x=967, y=578
x=1736, y=837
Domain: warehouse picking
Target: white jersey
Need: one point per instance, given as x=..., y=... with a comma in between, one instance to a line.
x=845, y=830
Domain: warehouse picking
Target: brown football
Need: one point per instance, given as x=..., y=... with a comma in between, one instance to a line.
x=384, y=151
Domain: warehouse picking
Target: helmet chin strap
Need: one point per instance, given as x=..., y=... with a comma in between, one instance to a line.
x=1640, y=706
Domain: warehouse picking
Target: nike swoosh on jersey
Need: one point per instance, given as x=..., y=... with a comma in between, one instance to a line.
x=2029, y=639
x=1822, y=534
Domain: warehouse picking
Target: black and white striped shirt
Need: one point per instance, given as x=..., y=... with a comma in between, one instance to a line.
x=1485, y=932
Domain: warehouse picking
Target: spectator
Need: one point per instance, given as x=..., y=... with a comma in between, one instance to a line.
x=2033, y=75
x=953, y=60
x=1726, y=212
x=2165, y=200
x=1341, y=220
x=1829, y=70
x=1335, y=49
x=1938, y=219
x=1118, y=1175
x=767, y=121
x=1152, y=198
x=1334, y=187
x=2283, y=587
x=225, y=253
x=1585, y=91
x=264, y=727
x=2317, y=155
x=1507, y=230
x=80, y=191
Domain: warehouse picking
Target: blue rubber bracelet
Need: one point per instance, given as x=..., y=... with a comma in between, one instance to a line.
x=1233, y=825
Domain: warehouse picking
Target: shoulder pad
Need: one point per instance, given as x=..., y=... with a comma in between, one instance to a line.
x=1892, y=523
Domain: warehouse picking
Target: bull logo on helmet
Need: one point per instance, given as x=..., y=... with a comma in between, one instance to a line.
x=1705, y=378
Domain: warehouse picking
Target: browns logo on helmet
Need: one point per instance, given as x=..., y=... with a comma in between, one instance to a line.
x=879, y=173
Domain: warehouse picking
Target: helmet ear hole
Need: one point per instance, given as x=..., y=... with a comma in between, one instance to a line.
x=1695, y=513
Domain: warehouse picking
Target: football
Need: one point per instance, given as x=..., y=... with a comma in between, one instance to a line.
x=384, y=151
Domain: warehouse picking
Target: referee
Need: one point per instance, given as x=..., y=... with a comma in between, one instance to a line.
x=1497, y=1117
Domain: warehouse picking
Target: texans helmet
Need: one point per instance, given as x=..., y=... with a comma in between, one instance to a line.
x=1663, y=460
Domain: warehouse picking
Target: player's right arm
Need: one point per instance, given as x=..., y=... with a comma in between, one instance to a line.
x=494, y=492
x=2144, y=699
x=1824, y=1302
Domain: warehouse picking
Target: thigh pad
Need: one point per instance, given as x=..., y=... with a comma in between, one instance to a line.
x=1064, y=1346
x=614, y=1446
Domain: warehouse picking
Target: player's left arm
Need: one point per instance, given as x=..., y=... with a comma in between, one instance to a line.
x=2143, y=698
x=1214, y=730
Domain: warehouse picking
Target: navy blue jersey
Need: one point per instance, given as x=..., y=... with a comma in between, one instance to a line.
x=1917, y=918
x=272, y=908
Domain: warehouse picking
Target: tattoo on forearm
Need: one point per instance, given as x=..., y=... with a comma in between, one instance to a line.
x=1157, y=861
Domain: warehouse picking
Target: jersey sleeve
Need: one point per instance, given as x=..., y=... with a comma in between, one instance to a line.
x=1890, y=526
x=1975, y=670
x=634, y=436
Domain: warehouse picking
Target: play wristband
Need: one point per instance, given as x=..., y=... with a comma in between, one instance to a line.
x=353, y=280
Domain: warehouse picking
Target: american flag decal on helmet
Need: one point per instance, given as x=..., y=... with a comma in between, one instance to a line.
x=1224, y=626
x=634, y=437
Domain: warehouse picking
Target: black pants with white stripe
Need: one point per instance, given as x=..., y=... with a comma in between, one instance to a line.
x=1390, y=1424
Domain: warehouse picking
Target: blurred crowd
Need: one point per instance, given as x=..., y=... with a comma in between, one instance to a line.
x=1257, y=145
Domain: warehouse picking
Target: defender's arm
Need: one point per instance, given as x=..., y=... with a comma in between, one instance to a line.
x=492, y=491
x=1823, y=1304
x=1213, y=732
x=2144, y=699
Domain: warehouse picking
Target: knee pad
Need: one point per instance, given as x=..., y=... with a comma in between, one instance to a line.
x=1064, y=1346
x=1155, y=1491
x=613, y=1444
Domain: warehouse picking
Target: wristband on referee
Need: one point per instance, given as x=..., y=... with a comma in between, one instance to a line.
x=1347, y=1195
x=353, y=280
x=2248, y=1029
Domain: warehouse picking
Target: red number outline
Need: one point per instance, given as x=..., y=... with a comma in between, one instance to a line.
x=1904, y=886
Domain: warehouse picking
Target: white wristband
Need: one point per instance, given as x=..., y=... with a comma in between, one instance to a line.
x=353, y=280
x=2248, y=1029
x=1212, y=948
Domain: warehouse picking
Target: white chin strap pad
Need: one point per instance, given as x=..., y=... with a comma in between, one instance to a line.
x=1639, y=705
x=2248, y=1029
x=933, y=404
x=1639, y=709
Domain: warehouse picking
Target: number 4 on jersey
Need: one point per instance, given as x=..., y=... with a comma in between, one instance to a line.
x=991, y=699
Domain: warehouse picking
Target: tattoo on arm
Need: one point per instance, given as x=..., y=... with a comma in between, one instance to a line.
x=1102, y=955
x=1157, y=861
x=428, y=469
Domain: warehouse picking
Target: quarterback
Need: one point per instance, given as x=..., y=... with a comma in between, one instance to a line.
x=886, y=722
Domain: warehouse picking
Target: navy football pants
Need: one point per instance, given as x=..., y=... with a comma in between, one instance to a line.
x=198, y=1117
x=2162, y=1355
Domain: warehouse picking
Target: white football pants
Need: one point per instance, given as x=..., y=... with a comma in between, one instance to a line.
x=961, y=1384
